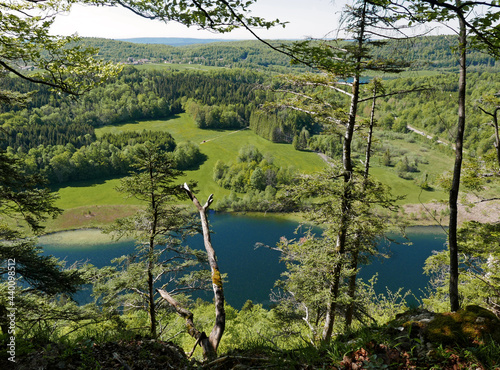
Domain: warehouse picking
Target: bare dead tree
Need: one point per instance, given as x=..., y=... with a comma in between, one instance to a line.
x=208, y=344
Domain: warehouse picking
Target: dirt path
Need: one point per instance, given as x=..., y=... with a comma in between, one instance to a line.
x=218, y=137
x=325, y=158
x=425, y=135
x=469, y=209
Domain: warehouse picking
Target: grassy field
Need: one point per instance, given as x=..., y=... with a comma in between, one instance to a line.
x=222, y=145
x=88, y=204
x=434, y=160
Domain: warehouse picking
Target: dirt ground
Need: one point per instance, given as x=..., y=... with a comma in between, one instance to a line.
x=471, y=208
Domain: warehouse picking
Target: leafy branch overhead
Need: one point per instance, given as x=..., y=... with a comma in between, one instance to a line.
x=218, y=16
x=29, y=51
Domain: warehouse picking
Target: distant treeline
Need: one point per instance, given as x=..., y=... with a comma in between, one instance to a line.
x=233, y=54
x=424, y=53
x=60, y=127
x=134, y=95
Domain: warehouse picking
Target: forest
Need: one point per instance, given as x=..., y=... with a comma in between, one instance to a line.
x=380, y=116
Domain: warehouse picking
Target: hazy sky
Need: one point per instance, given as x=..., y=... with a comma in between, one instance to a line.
x=316, y=18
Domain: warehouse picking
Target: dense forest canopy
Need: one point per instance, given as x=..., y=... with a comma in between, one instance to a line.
x=423, y=53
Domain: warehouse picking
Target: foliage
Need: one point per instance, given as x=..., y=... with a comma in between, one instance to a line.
x=218, y=117
x=479, y=246
x=32, y=53
x=135, y=94
x=430, y=53
x=281, y=126
x=161, y=261
x=34, y=287
x=22, y=197
x=187, y=156
x=253, y=174
x=111, y=155
x=311, y=260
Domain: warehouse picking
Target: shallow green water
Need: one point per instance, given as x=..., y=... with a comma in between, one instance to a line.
x=252, y=272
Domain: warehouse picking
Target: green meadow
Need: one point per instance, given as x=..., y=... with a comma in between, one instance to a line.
x=92, y=204
x=223, y=145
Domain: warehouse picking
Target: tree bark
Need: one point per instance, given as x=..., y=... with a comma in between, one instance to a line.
x=355, y=253
x=201, y=337
x=211, y=343
x=340, y=247
x=457, y=169
x=497, y=136
x=152, y=236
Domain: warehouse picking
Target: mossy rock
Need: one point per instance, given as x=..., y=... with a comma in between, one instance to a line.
x=469, y=326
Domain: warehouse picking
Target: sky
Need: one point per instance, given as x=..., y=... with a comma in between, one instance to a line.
x=307, y=18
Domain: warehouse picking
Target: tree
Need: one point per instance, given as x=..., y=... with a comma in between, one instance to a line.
x=479, y=268
x=57, y=62
x=258, y=179
x=161, y=260
x=310, y=260
x=24, y=205
x=494, y=103
x=64, y=66
x=339, y=62
x=26, y=44
x=211, y=343
x=479, y=20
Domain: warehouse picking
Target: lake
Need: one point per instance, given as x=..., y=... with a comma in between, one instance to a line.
x=251, y=272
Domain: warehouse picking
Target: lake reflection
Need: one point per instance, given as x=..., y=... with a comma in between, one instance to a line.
x=251, y=272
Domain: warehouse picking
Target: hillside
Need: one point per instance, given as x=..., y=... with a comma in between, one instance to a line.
x=416, y=339
x=63, y=137
x=114, y=160
x=172, y=41
x=423, y=53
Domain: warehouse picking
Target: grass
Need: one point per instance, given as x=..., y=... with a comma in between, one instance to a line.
x=407, y=188
x=94, y=216
x=434, y=161
x=89, y=193
x=224, y=145
x=93, y=204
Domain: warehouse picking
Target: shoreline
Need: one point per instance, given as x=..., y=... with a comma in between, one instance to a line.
x=428, y=214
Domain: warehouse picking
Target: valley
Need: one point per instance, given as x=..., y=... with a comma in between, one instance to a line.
x=332, y=181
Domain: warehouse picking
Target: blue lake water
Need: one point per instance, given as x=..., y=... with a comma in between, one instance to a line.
x=251, y=272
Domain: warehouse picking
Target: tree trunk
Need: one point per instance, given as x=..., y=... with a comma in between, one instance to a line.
x=497, y=136
x=151, y=246
x=455, y=185
x=355, y=254
x=340, y=246
x=151, y=297
x=211, y=343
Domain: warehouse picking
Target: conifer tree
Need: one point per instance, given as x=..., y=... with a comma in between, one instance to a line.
x=340, y=63
x=161, y=260
x=477, y=26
